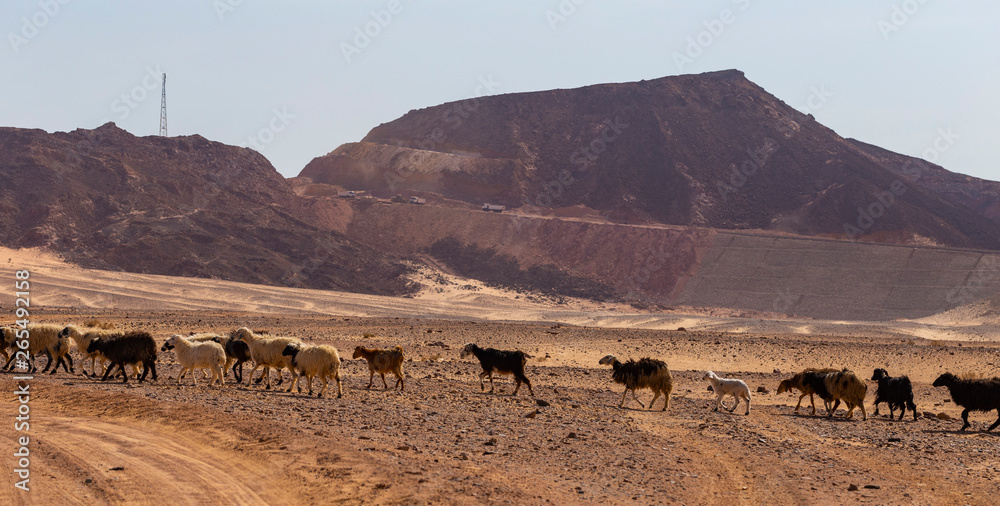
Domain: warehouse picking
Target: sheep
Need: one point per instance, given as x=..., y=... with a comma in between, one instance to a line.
x=797, y=382
x=896, y=392
x=266, y=352
x=646, y=373
x=383, y=361
x=82, y=338
x=314, y=360
x=834, y=387
x=8, y=338
x=201, y=338
x=127, y=348
x=723, y=387
x=45, y=338
x=500, y=362
x=236, y=351
x=973, y=395
x=191, y=355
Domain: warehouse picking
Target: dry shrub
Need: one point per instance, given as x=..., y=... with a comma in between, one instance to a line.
x=98, y=324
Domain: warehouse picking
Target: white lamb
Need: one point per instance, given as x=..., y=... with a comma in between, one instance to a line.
x=723, y=387
x=266, y=353
x=193, y=356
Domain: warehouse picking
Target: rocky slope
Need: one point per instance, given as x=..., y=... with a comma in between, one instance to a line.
x=181, y=206
x=711, y=150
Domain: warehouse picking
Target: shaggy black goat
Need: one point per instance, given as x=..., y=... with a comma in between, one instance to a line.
x=973, y=395
x=646, y=373
x=896, y=392
x=237, y=352
x=129, y=348
x=500, y=362
x=815, y=380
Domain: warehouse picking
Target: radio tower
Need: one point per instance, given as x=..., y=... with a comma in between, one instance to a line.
x=163, y=108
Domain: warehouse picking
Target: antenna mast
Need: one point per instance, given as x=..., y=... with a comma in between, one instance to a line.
x=163, y=108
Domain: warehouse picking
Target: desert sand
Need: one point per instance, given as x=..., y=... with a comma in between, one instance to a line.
x=444, y=440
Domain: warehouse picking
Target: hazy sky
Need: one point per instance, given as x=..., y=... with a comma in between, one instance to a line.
x=297, y=77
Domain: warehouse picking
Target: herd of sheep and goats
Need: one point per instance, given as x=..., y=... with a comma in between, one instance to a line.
x=220, y=352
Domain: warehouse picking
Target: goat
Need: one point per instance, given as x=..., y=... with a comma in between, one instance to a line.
x=896, y=392
x=500, y=362
x=837, y=386
x=129, y=348
x=314, y=360
x=45, y=338
x=383, y=361
x=646, y=373
x=797, y=382
x=723, y=387
x=973, y=395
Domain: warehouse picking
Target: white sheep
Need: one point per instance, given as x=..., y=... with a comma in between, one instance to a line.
x=723, y=387
x=266, y=352
x=201, y=338
x=314, y=360
x=192, y=355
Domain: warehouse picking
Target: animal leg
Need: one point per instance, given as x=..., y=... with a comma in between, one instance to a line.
x=322, y=377
x=996, y=422
x=656, y=395
x=621, y=404
x=384, y=384
x=864, y=416
x=718, y=401
x=965, y=418
x=800, y=402
x=812, y=400
x=637, y=399
x=400, y=383
x=482, y=375
x=371, y=378
x=748, y=405
x=491, y=382
x=913, y=408
x=830, y=412
x=340, y=392
x=294, y=381
x=517, y=386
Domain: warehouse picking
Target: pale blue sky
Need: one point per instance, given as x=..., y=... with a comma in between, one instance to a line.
x=267, y=64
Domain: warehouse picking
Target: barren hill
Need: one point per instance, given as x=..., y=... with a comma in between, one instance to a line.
x=181, y=206
x=712, y=150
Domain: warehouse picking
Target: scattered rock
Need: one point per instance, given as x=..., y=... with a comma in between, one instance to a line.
x=571, y=435
x=762, y=389
x=403, y=448
x=88, y=481
x=894, y=440
x=944, y=416
x=491, y=442
x=532, y=413
x=463, y=456
x=776, y=371
x=117, y=468
x=852, y=487
x=542, y=403
x=873, y=487
x=681, y=329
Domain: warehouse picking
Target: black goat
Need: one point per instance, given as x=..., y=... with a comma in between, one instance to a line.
x=896, y=392
x=815, y=379
x=500, y=362
x=646, y=373
x=237, y=352
x=129, y=348
x=973, y=395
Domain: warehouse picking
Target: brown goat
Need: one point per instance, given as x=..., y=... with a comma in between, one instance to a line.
x=383, y=361
x=797, y=383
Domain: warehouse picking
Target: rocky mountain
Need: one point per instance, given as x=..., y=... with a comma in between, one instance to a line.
x=181, y=206
x=712, y=150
